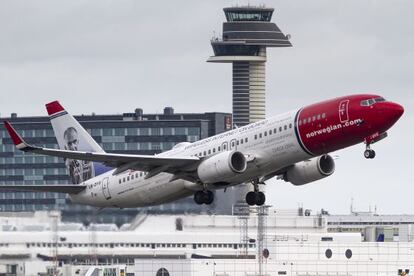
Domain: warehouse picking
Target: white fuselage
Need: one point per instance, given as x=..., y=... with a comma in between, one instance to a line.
x=268, y=150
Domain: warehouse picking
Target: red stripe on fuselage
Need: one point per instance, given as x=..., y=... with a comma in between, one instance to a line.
x=297, y=132
x=335, y=124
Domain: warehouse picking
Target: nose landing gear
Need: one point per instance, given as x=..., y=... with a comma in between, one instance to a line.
x=256, y=197
x=369, y=153
x=374, y=138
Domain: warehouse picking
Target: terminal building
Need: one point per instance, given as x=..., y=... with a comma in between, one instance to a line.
x=273, y=242
x=135, y=133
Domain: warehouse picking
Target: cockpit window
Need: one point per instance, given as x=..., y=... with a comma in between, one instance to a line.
x=372, y=101
x=364, y=103
x=380, y=99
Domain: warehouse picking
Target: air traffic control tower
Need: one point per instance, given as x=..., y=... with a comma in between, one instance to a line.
x=246, y=35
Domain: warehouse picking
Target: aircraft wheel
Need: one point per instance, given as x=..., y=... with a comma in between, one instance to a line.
x=209, y=197
x=199, y=197
x=251, y=198
x=260, y=198
x=369, y=154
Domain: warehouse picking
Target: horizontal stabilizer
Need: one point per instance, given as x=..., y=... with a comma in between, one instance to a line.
x=65, y=189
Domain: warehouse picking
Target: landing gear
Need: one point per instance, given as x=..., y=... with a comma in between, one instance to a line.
x=204, y=197
x=260, y=198
x=255, y=198
x=251, y=198
x=369, y=153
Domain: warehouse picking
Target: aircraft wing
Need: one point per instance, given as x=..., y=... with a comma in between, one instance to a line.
x=122, y=162
x=66, y=189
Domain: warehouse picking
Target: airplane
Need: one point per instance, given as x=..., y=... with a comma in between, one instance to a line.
x=293, y=146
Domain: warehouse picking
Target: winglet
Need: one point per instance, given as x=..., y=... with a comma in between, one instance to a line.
x=17, y=140
x=53, y=108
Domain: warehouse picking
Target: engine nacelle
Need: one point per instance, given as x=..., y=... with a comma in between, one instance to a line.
x=222, y=166
x=310, y=170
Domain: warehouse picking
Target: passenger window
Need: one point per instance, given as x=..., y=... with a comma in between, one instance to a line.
x=309, y=120
x=219, y=149
x=241, y=141
x=265, y=133
x=214, y=150
x=237, y=143
x=255, y=137
x=285, y=127
x=290, y=125
x=323, y=115
x=128, y=178
x=270, y=132
x=209, y=151
x=119, y=181
x=245, y=140
x=371, y=102
x=318, y=117
x=260, y=135
x=136, y=175
x=232, y=144
x=123, y=180
x=205, y=153
x=275, y=130
x=280, y=129
x=132, y=177
x=313, y=118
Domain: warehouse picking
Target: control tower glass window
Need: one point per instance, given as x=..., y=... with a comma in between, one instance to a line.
x=235, y=50
x=232, y=16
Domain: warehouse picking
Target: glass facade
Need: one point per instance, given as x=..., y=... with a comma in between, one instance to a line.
x=223, y=49
x=249, y=15
x=150, y=135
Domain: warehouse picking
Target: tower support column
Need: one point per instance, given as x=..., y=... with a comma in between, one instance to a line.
x=249, y=99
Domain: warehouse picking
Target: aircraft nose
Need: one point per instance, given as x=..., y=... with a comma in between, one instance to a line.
x=394, y=111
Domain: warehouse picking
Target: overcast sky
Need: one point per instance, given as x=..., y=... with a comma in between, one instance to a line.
x=108, y=56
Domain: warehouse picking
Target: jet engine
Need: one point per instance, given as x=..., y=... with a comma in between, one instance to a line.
x=311, y=170
x=222, y=166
